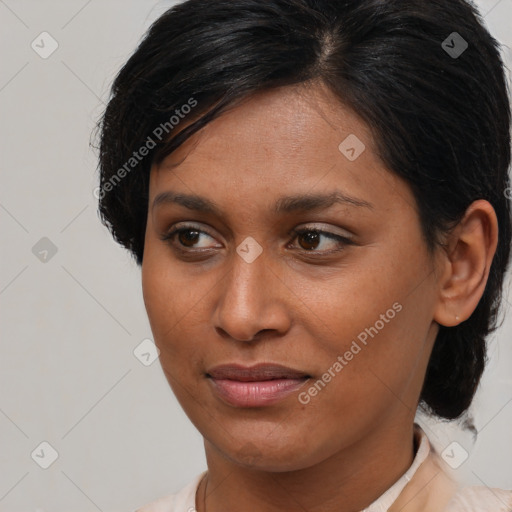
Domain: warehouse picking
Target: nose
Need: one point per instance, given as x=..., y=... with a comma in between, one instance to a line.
x=251, y=300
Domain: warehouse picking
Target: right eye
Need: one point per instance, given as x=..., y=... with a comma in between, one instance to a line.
x=186, y=236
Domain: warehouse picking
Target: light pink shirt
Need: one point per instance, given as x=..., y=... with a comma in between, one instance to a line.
x=424, y=487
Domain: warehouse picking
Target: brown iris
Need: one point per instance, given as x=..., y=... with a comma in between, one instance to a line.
x=188, y=236
x=311, y=238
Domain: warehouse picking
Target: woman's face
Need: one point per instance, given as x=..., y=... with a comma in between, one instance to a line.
x=352, y=316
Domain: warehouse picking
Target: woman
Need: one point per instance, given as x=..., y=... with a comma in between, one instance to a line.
x=316, y=193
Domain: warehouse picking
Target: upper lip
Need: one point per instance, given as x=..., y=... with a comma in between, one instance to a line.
x=259, y=372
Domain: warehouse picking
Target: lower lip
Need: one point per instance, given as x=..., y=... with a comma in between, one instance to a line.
x=255, y=394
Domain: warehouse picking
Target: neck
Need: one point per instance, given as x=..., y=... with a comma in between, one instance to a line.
x=348, y=481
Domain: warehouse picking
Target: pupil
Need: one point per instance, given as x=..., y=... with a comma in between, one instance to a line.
x=186, y=236
x=311, y=238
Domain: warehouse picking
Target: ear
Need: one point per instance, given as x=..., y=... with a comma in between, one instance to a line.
x=465, y=264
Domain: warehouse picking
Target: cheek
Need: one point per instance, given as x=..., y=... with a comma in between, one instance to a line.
x=155, y=291
x=383, y=361
x=163, y=296
x=378, y=323
x=173, y=302
x=163, y=285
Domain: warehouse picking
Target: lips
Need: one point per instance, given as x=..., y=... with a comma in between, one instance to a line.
x=255, y=386
x=260, y=372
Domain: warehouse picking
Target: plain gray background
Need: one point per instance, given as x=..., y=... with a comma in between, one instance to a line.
x=71, y=319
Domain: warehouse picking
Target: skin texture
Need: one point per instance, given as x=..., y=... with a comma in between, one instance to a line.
x=354, y=439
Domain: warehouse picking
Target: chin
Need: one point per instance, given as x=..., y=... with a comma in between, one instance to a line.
x=269, y=457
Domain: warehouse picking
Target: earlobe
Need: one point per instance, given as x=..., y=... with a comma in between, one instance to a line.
x=467, y=260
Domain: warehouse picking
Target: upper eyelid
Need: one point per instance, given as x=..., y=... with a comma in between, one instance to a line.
x=325, y=231
x=302, y=227
x=185, y=226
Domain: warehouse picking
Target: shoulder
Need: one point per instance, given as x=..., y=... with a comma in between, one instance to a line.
x=183, y=501
x=434, y=489
x=481, y=499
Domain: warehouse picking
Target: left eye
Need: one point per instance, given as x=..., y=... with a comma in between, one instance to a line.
x=312, y=239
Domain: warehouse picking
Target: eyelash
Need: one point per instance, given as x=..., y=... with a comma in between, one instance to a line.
x=169, y=238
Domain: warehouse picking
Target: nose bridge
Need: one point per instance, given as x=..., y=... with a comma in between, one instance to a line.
x=243, y=291
x=248, y=302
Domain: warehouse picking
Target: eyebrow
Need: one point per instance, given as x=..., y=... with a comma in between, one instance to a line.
x=288, y=204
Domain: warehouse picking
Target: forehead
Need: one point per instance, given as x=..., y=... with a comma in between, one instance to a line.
x=282, y=141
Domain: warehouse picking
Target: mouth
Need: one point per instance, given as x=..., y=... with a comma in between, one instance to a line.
x=255, y=386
